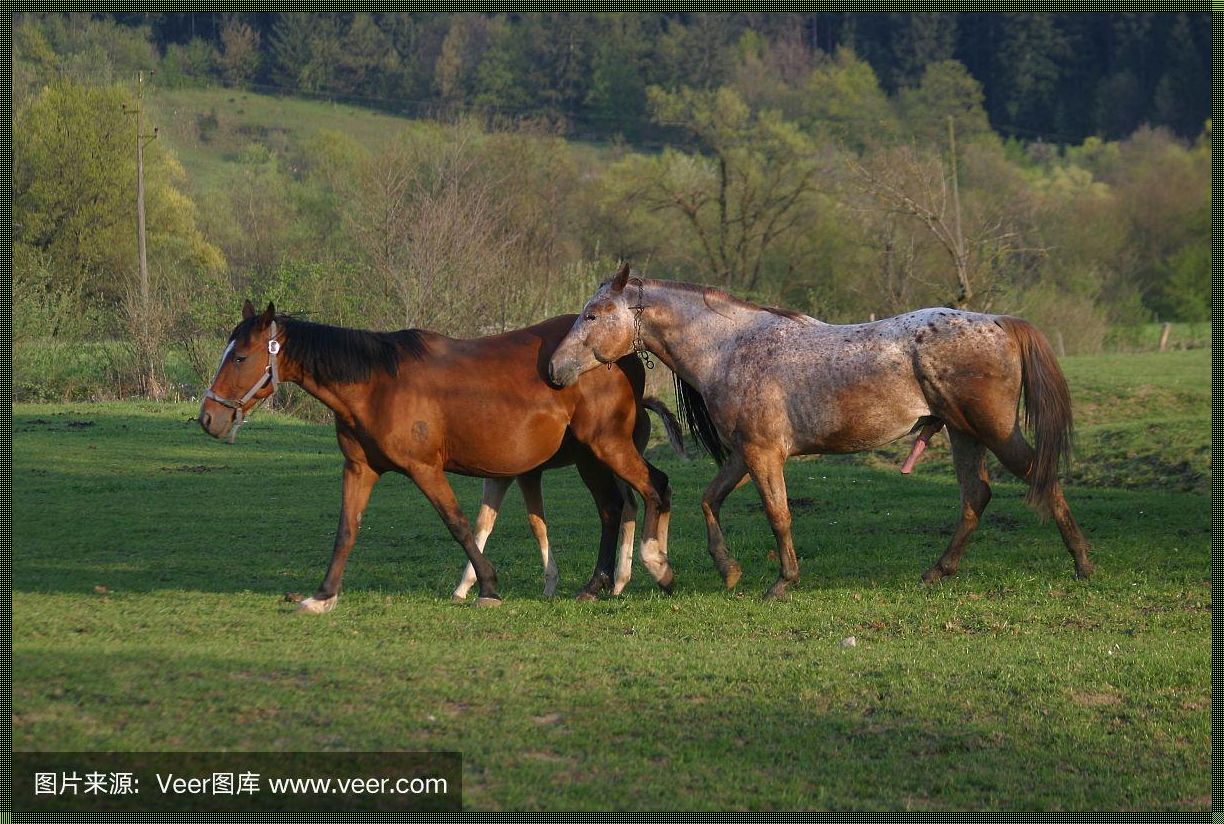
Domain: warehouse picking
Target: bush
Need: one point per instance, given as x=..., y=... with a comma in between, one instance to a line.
x=1073, y=323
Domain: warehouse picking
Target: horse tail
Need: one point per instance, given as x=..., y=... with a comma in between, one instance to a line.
x=671, y=424
x=1047, y=410
x=692, y=408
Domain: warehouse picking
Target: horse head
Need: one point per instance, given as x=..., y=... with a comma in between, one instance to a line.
x=247, y=374
x=604, y=332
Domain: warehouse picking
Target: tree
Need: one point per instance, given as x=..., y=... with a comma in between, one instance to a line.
x=306, y=51
x=1032, y=55
x=920, y=39
x=745, y=196
x=842, y=99
x=617, y=97
x=918, y=186
x=367, y=58
x=946, y=90
x=240, y=56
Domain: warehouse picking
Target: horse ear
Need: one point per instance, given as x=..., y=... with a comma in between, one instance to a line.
x=248, y=311
x=622, y=277
x=269, y=314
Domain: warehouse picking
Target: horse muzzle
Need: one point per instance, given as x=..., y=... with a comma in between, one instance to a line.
x=562, y=374
x=217, y=422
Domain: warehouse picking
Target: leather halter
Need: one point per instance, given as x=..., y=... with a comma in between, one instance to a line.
x=270, y=375
x=639, y=346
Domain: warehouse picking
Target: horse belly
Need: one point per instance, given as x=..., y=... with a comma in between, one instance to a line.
x=506, y=445
x=858, y=415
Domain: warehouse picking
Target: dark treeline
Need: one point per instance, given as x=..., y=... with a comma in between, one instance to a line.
x=1059, y=77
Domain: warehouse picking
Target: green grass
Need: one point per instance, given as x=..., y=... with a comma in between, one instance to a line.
x=210, y=128
x=151, y=563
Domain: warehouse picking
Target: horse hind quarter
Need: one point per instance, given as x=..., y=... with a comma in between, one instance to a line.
x=869, y=384
x=967, y=367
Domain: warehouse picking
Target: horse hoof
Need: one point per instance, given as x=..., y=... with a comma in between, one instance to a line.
x=732, y=576
x=456, y=598
x=668, y=582
x=315, y=606
x=1084, y=571
x=485, y=602
x=934, y=575
x=586, y=595
x=774, y=595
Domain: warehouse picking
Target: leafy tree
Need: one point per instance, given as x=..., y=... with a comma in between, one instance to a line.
x=920, y=39
x=1032, y=54
x=842, y=99
x=745, y=197
x=617, y=98
x=240, y=57
x=306, y=51
x=946, y=91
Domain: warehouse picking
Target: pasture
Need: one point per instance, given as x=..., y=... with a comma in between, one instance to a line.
x=151, y=565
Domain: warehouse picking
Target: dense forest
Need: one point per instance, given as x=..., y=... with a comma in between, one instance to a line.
x=1057, y=77
x=848, y=164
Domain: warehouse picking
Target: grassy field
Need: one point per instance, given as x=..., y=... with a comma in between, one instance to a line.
x=151, y=565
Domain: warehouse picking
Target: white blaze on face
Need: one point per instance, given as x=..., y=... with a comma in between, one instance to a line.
x=221, y=363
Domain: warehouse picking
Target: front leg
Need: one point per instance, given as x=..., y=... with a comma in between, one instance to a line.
x=359, y=479
x=431, y=480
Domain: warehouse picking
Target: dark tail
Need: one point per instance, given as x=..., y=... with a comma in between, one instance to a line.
x=675, y=435
x=692, y=408
x=1047, y=410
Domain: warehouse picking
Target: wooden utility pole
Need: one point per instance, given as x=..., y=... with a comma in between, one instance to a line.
x=153, y=384
x=962, y=273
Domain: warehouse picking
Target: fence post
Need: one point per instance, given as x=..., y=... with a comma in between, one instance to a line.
x=1164, y=336
x=1058, y=341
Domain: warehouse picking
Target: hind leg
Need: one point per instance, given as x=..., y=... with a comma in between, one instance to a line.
x=490, y=505
x=730, y=475
x=533, y=498
x=765, y=466
x=1017, y=456
x=624, y=553
x=969, y=458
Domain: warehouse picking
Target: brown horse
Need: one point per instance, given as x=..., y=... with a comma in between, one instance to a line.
x=423, y=404
x=763, y=384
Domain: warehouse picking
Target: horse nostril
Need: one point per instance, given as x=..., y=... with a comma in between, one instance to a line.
x=205, y=419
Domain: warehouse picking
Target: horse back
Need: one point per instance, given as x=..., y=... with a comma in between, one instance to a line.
x=486, y=403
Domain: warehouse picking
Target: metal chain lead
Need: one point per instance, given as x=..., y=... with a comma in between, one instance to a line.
x=639, y=346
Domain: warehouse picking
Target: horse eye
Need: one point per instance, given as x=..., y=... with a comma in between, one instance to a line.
x=239, y=358
x=589, y=316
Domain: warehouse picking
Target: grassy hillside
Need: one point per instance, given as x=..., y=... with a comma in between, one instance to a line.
x=150, y=565
x=209, y=128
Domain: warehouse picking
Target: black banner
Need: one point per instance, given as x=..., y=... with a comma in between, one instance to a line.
x=237, y=782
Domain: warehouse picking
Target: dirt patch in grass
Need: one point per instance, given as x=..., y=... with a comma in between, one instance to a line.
x=1097, y=699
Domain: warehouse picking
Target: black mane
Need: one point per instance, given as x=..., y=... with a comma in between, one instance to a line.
x=336, y=354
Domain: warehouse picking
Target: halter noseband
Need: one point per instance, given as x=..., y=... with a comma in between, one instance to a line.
x=639, y=346
x=270, y=375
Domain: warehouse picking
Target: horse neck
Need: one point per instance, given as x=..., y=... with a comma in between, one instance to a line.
x=686, y=334
x=338, y=397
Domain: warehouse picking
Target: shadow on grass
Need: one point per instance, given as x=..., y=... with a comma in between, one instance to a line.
x=148, y=503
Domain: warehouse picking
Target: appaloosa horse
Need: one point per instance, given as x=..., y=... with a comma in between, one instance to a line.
x=423, y=404
x=762, y=384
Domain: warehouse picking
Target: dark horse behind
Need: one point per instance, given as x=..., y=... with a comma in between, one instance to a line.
x=423, y=404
